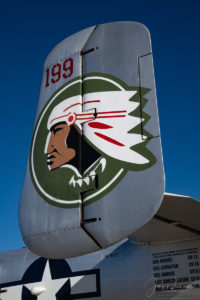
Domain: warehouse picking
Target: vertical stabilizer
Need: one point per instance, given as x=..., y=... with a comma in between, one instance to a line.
x=95, y=170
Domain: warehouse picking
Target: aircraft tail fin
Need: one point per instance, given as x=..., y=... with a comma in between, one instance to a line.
x=95, y=171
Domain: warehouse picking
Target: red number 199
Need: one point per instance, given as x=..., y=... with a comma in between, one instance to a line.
x=56, y=71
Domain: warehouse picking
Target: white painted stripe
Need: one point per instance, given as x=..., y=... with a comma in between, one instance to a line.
x=106, y=79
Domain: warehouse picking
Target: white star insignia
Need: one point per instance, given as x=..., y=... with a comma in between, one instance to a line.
x=46, y=289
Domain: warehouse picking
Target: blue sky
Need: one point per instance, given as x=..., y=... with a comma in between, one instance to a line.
x=30, y=29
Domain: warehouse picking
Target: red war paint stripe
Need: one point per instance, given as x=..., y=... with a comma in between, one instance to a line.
x=79, y=119
x=112, y=112
x=105, y=112
x=80, y=115
x=92, y=101
x=59, y=117
x=99, y=125
x=102, y=117
x=102, y=113
x=83, y=114
x=72, y=106
x=108, y=139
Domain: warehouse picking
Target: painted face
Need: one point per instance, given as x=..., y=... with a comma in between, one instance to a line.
x=57, y=151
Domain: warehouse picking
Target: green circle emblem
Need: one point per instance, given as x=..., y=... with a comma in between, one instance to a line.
x=79, y=155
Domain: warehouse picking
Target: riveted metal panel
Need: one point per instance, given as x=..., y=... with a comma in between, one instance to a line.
x=91, y=90
x=50, y=206
x=130, y=167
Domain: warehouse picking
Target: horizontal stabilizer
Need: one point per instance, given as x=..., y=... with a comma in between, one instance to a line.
x=178, y=218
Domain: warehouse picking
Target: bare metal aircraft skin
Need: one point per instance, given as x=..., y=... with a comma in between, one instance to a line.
x=95, y=170
x=93, y=212
x=162, y=259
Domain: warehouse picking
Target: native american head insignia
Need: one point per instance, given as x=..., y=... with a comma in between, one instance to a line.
x=88, y=130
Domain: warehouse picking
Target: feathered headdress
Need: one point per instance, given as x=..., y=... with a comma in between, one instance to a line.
x=105, y=118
